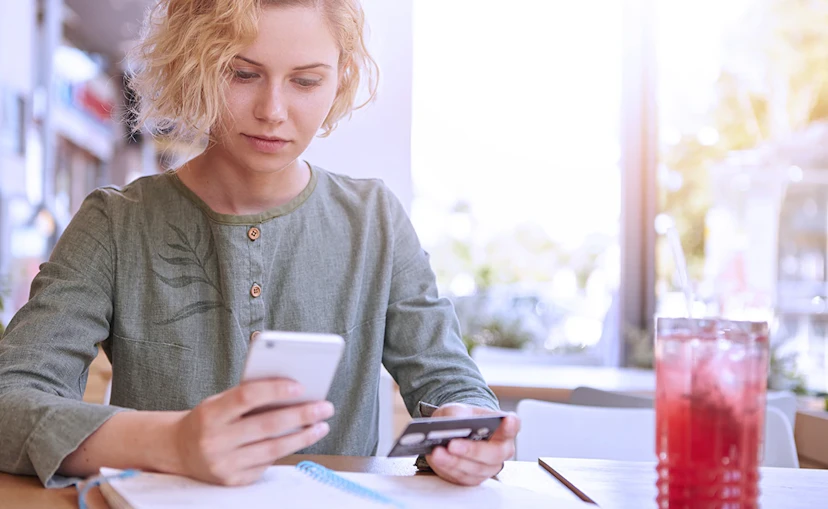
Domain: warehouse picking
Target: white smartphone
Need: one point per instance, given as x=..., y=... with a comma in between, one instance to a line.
x=310, y=359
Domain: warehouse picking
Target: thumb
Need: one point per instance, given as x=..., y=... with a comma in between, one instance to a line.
x=508, y=429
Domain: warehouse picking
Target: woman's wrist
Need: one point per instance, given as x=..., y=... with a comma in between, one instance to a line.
x=161, y=452
x=142, y=440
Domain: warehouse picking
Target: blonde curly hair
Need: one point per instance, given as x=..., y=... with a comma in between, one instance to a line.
x=184, y=59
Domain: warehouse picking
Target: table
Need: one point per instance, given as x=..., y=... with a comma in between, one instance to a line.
x=512, y=383
x=519, y=378
x=631, y=485
x=27, y=492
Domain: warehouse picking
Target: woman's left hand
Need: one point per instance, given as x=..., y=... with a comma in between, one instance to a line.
x=468, y=462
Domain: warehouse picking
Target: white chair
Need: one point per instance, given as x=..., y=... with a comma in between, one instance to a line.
x=785, y=401
x=779, y=448
x=572, y=431
x=626, y=434
x=587, y=396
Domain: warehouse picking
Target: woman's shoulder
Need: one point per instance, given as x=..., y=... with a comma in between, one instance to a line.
x=138, y=194
x=339, y=182
x=361, y=193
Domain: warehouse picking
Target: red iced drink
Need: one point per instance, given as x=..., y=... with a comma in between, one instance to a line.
x=711, y=377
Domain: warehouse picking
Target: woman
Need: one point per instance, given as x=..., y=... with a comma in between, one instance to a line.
x=175, y=273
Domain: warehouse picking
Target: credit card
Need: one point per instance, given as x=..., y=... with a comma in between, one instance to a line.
x=421, y=436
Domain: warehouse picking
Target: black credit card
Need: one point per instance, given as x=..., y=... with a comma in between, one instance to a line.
x=423, y=435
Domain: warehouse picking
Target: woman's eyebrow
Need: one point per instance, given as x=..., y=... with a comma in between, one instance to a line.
x=311, y=66
x=253, y=62
x=300, y=68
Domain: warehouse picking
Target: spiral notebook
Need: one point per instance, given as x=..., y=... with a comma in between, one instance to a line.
x=309, y=485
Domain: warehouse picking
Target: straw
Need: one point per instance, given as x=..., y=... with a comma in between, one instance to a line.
x=681, y=267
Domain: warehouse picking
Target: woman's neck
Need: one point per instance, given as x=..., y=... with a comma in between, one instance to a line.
x=228, y=188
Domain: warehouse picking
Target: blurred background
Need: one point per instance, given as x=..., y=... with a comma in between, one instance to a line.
x=542, y=148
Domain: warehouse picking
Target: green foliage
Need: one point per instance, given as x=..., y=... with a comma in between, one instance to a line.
x=499, y=332
x=783, y=373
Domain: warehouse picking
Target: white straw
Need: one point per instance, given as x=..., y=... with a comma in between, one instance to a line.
x=681, y=267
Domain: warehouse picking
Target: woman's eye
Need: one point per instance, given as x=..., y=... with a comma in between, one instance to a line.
x=305, y=83
x=244, y=76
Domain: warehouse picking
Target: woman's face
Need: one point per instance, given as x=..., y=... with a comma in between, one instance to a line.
x=281, y=90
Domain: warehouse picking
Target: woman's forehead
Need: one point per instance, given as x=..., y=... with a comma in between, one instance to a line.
x=293, y=36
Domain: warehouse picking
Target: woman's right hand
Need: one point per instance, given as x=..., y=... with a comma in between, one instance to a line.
x=217, y=442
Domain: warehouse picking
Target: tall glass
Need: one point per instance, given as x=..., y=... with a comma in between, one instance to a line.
x=711, y=378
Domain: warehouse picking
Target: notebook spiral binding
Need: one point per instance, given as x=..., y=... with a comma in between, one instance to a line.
x=83, y=489
x=330, y=478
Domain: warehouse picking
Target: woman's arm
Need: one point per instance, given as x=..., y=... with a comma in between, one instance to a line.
x=423, y=349
x=45, y=427
x=424, y=353
x=216, y=442
x=49, y=345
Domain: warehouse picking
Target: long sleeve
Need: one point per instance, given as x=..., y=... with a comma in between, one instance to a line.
x=48, y=347
x=423, y=349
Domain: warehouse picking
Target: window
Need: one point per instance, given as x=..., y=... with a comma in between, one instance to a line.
x=515, y=157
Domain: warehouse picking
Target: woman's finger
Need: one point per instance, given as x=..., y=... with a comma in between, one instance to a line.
x=459, y=470
x=275, y=423
x=250, y=396
x=493, y=452
x=268, y=451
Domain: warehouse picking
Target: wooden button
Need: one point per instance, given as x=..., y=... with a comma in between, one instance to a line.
x=254, y=336
x=254, y=233
x=256, y=290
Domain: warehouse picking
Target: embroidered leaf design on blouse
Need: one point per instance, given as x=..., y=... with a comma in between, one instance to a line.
x=192, y=259
x=211, y=248
x=181, y=282
x=180, y=234
x=182, y=262
x=193, y=309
